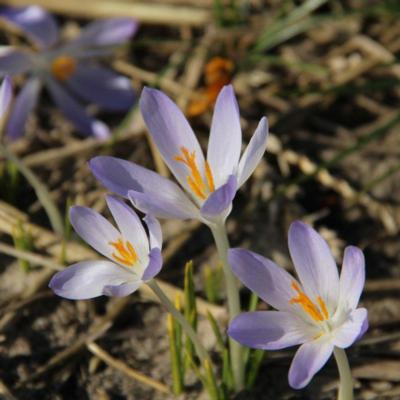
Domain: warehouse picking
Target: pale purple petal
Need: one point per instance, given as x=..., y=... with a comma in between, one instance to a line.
x=161, y=207
x=130, y=226
x=262, y=276
x=225, y=141
x=219, y=200
x=121, y=290
x=94, y=229
x=5, y=96
x=314, y=264
x=269, y=330
x=352, y=329
x=23, y=106
x=163, y=196
x=107, y=32
x=76, y=113
x=254, y=152
x=154, y=266
x=101, y=86
x=35, y=22
x=352, y=278
x=309, y=359
x=171, y=132
x=14, y=61
x=88, y=279
x=155, y=231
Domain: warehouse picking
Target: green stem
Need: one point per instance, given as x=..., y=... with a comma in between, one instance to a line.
x=346, y=380
x=200, y=350
x=221, y=240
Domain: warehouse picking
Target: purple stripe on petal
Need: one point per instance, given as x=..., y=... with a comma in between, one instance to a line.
x=262, y=276
x=161, y=194
x=352, y=278
x=23, y=106
x=218, y=201
x=254, y=152
x=352, y=329
x=14, y=61
x=155, y=265
x=35, y=22
x=75, y=112
x=107, y=32
x=5, y=96
x=88, y=279
x=155, y=231
x=101, y=86
x=269, y=330
x=225, y=141
x=94, y=229
x=314, y=264
x=129, y=225
x=122, y=290
x=309, y=359
x=171, y=133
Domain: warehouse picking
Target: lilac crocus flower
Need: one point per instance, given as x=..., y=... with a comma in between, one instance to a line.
x=65, y=69
x=5, y=96
x=210, y=184
x=318, y=311
x=135, y=258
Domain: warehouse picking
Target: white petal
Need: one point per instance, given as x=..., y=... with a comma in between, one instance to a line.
x=130, y=227
x=94, y=229
x=314, y=264
x=254, y=152
x=88, y=279
x=225, y=141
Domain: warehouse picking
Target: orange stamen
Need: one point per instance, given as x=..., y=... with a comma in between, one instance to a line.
x=209, y=177
x=194, y=179
x=125, y=253
x=63, y=67
x=317, y=314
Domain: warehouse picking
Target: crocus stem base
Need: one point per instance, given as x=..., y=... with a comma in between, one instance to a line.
x=346, y=380
x=236, y=353
x=200, y=350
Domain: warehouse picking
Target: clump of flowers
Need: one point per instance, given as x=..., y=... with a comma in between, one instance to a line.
x=69, y=70
x=318, y=311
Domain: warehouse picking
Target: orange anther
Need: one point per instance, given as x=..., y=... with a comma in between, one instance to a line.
x=317, y=314
x=125, y=253
x=63, y=67
x=195, y=179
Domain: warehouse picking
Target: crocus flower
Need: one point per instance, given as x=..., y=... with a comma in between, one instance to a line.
x=210, y=184
x=134, y=258
x=5, y=96
x=318, y=311
x=66, y=69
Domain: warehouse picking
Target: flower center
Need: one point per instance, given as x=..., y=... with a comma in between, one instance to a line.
x=318, y=312
x=201, y=187
x=63, y=67
x=124, y=252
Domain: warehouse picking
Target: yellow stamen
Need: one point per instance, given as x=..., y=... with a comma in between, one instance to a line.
x=63, y=67
x=209, y=177
x=317, y=314
x=195, y=181
x=125, y=253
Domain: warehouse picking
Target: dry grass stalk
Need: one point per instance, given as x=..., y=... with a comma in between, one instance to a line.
x=146, y=13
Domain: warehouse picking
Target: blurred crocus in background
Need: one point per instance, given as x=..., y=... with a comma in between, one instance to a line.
x=68, y=70
x=5, y=96
x=210, y=184
x=318, y=311
x=135, y=257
